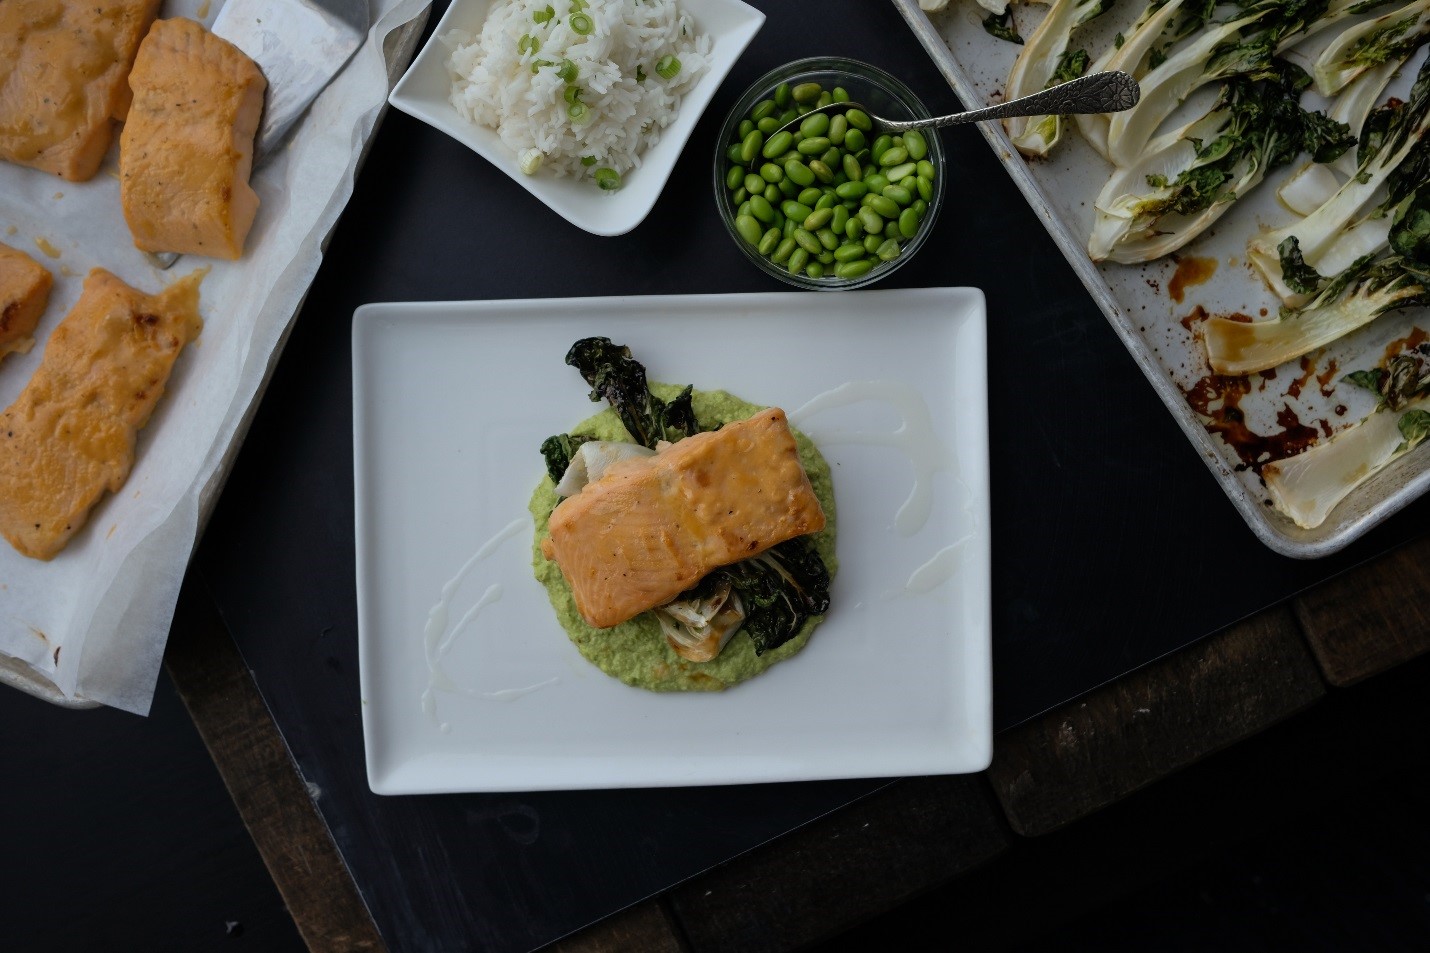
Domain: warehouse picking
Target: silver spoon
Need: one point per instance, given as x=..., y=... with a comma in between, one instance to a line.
x=1108, y=92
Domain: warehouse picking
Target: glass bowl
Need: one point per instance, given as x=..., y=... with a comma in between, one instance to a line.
x=883, y=95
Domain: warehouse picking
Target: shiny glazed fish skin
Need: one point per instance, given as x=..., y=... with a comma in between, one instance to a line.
x=64, y=69
x=70, y=434
x=24, y=291
x=652, y=527
x=187, y=148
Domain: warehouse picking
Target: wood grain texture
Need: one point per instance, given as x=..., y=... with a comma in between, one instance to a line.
x=647, y=927
x=1371, y=618
x=1124, y=736
x=842, y=869
x=258, y=770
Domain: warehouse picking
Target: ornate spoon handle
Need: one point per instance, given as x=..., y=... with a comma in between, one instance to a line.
x=1098, y=93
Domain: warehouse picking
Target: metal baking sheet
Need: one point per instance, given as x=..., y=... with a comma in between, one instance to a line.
x=1162, y=333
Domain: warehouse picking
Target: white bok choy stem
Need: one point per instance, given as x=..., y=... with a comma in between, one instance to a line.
x=1307, y=487
x=1349, y=301
x=1187, y=179
x=1131, y=58
x=1333, y=236
x=1046, y=61
x=1372, y=43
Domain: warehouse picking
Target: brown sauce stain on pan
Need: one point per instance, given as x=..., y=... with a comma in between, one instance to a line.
x=1217, y=398
x=1191, y=270
x=1414, y=339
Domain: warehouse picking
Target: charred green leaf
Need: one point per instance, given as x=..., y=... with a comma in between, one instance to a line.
x=1299, y=276
x=620, y=380
x=558, y=451
x=1001, y=26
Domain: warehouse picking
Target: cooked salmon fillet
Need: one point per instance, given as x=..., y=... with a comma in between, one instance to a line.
x=187, y=147
x=652, y=527
x=24, y=290
x=70, y=434
x=64, y=70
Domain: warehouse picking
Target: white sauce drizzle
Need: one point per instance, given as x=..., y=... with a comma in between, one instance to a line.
x=938, y=570
x=915, y=438
x=437, y=640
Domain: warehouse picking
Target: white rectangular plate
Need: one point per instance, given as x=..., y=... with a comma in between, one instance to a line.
x=450, y=404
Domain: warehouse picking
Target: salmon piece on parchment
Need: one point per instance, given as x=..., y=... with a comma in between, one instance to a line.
x=652, y=527
x=70, y=434
x=64, y=79
x=187, y=148
x=24, y=291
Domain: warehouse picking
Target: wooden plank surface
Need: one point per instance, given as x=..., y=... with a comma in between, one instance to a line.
x=647, y=927
x=1371, y=618
x=842, y=869
x=1124, y=736
x=258, y=770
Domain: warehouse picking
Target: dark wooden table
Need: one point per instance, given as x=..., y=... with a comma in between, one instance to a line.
x=1138, y=624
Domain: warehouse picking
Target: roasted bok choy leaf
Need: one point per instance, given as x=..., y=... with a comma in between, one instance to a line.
x=1308, y=486
x=1190, y=177
x=1364, y=46
x=1332, y=237
x=1043, y=62
x=780, y=589
x=1352, y=299
x=1242, y=44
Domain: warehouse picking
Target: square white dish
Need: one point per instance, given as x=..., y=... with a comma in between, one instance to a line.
x=423, y=94
x=450, y=404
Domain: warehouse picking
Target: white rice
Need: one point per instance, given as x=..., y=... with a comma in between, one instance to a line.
x=493, y=85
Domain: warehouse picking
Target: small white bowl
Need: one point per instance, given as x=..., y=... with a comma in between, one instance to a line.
x=423, y=93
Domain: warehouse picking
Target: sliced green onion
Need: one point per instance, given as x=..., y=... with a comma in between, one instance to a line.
x=577, y=6
x=608, y=179
x=588, y=160
x=567, y=72
x=640, y=74
x=528, y=42
x=577, y=111
x=543, y=16
x=537, y=64
x=531, y=160
x=667, y=66
x=581, y=24
x=573, y=95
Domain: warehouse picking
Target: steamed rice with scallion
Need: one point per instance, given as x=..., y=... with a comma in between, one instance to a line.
x=577, y=87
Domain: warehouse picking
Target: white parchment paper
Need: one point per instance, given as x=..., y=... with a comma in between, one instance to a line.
x=92, y=623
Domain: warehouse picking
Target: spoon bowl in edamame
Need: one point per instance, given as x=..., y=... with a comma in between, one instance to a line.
x=1107, y=92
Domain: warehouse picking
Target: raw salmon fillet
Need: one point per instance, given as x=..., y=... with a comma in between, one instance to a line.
x=187, y=147
x=64, y=70
x=652, y=527
x=24, y=291
x=70, y=434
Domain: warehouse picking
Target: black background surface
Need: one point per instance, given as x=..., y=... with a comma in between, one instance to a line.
x=1113, y=545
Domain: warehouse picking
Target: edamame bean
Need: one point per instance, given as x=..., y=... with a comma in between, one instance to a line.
x=881, y=145
x=832, y=157
x=897, y=193
x=797, y=260
x=919, y=207
x=827, y=239
x=824, y=99
x=892, y=157
x=806, y=240
x=815, y=125
x=814, y=269
x=753, y=183
x=853, y=269
x=899, y=172
x=806, y=92
x=853, y=228
x=735, y=177
x=872, y=243
x=825, y=257
x=870, y=220
x=769, y=242
x=771, y=172
x=813, y=146
x=789, y=115
x=839, y=217
x=891, y=230
x=749, y=229
x=783, y=250
x=736, y=152
x=763, y=108
x=818, y=219
x=859, y=119
x=849, y=252
x=885, y=207
x=761, y=209
x=796, y=210
x=741, y=198
x=852, y=190
x=908, y=223
x=788, y=188
x=838, y=127
x=840, y=94
x=889, y=250
x=782, y=96
x=851, y=167
x=750, y=147
x=746, y=125
x=925, y=187
x=799, y=172
x=854, y=140
x=915, y=144
x=875, y=182
x=810, y=196
x=776, y=145
x=771, y=193
x=821, y=171
x=924, y=168
x=826, y=201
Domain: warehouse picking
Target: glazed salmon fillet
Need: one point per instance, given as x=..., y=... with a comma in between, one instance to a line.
x=652, y=527
x=70, y=434
x=187, y=148
x=24, y=291
x=64, y=71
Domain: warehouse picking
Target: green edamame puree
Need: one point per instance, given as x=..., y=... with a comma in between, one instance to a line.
x=636, y=651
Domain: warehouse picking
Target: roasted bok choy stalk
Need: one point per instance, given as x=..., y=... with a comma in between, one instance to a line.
x=1390, y=37
x=1332, y=237
x=1351, y=300
x=1308, y=486
x=1046, y=61
x=1188, y=178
